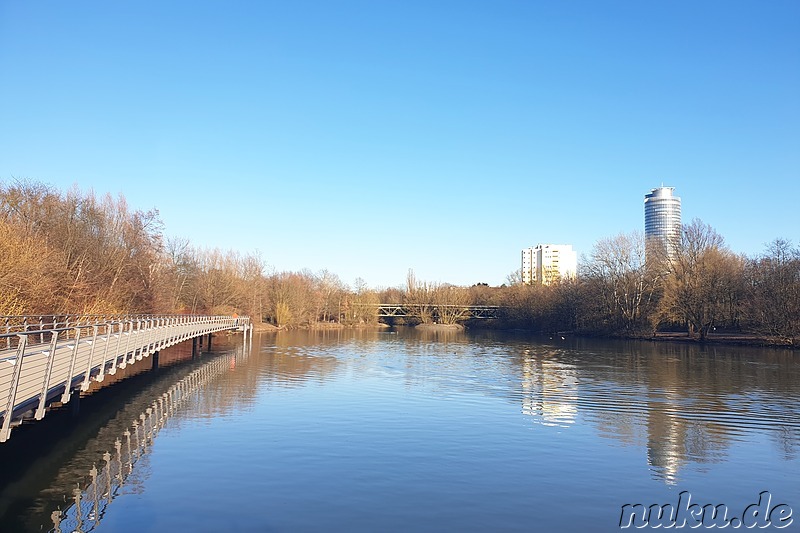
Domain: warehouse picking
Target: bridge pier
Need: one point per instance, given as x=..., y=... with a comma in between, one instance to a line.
x=75, y=404
x=194, y=347
x=155, y=360
x=209, y=342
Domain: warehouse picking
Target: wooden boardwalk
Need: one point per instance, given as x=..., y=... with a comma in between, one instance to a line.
x=44, y=363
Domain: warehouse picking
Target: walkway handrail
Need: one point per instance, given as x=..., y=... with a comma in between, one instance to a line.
x=36, y=365
x=13, y=325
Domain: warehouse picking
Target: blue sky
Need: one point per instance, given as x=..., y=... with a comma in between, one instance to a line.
x=368, y=138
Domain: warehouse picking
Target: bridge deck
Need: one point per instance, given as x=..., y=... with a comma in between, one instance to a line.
x=462, y=312
x=32, y=375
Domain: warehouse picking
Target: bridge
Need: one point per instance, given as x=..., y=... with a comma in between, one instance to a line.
x=47, y=359
x=459, y=312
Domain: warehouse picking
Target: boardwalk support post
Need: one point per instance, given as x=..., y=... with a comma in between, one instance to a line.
x=88, y=374
x=5, y=431
x=75, y=405
x=51, y=357
x=68, y=384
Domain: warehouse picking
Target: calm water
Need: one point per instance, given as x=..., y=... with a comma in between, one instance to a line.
x=403, y=430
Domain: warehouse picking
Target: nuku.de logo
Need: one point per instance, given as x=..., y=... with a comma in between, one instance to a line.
x=692, y=515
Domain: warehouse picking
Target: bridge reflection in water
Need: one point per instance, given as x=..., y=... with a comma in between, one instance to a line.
x=98, y=487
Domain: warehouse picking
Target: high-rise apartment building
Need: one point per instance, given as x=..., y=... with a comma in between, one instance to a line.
x=548, y=263
x=662, y=219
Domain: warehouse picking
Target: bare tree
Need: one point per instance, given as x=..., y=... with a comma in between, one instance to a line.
x=361, y=307
x=419, y=296
x=773, y=297
x=701, y=284
x=514, y=277
x=290, y=298
x=328, y=292
x=618, y=271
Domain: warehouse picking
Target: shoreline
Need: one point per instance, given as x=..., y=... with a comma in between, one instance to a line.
x=724, y=339
x=728, y=339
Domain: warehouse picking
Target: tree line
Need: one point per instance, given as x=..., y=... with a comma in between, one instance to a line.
x=74, y=252
x=630, y=287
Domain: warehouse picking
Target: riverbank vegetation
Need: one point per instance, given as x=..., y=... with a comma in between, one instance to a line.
x=80, y=253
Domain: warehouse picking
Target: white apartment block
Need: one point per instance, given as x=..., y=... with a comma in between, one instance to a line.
x=548, y=263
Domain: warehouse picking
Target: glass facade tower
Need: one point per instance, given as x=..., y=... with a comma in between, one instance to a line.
x=662, y=219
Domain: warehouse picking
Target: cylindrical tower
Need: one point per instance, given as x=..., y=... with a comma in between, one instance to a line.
x=662, y=218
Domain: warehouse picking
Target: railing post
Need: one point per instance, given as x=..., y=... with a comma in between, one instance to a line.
x=153, y=346
x=125, y=360
x=88, y=373
x=116, y=350
x=174, y=331
x=5, y=430
x=47, y=373
x=68, y=384
x=159, y=335
x=102, y=374
x=150, y=335
x=134, y=340
x=139, y=339
x=165, y=335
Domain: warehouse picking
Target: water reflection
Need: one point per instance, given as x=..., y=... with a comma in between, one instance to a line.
x=403, y=424
x=289, y=359
x=77, y=466
x=549, y=389
x=684, y=404
x=687, y=404
x=91, y=498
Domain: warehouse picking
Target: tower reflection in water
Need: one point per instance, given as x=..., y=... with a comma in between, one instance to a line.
x=682, y=406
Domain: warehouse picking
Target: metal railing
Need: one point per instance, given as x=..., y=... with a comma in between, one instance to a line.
x=51, y=354
x=42, y=325
x=464, y=312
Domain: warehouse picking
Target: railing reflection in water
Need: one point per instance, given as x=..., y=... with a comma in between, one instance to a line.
x=105, y=483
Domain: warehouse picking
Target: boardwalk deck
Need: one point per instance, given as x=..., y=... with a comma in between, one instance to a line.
x=34, y=374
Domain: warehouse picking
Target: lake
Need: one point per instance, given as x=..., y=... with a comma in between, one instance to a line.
x=390, y=430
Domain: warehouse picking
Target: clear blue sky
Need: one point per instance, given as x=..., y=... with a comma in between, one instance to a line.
x=376, y=136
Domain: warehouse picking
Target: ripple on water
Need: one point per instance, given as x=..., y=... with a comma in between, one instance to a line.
x=361, y=431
